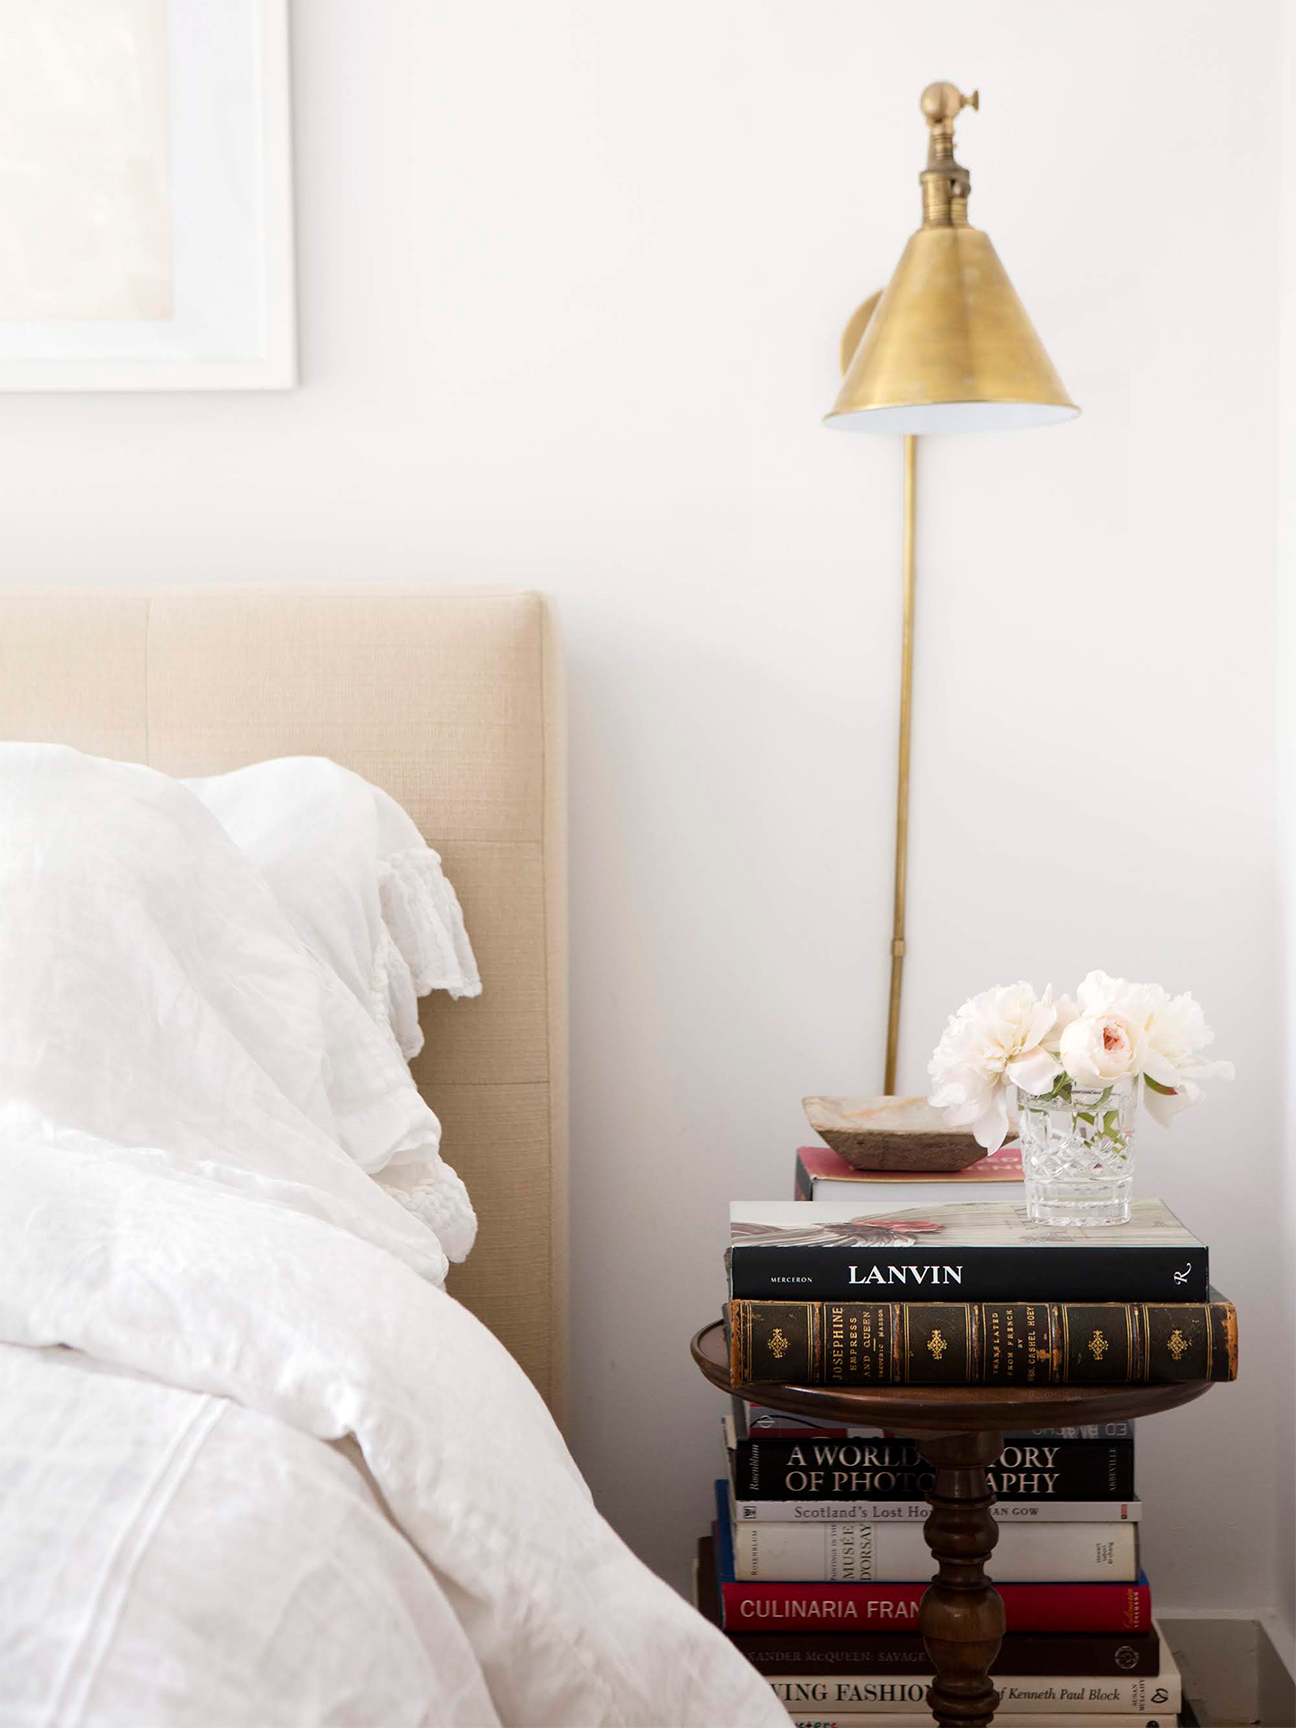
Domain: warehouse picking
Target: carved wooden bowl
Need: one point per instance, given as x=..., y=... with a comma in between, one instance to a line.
x=884, y=1133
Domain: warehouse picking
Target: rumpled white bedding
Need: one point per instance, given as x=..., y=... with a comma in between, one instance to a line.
x=199, y=1289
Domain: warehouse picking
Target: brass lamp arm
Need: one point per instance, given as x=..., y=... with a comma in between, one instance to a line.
x=947, y=347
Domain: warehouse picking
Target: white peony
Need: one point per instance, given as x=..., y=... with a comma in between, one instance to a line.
x=1002, y=1038
x=1173, y=1030
x=1099, y=1048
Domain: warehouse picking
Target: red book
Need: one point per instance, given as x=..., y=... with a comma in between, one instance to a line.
x=893, y=1607
x=812, y=1651
x=817, y=1166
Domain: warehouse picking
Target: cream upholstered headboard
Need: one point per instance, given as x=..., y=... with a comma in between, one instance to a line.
x=451, y=700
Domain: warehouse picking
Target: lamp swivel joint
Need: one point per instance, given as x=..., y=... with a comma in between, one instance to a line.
x=945, y=183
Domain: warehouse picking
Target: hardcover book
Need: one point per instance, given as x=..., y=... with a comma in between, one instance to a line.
x=981, y=1343
x=1019, y=1512
x=1067, y=1695
x=849, y=1553
x=905, y=1718
x=899, y=1653
x=797, y=1606
x=822, y=1174
x=986, y=1252
x=762, y=1422
x=895, y=1469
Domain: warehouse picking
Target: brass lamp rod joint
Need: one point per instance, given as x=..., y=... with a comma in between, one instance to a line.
x=945, y=182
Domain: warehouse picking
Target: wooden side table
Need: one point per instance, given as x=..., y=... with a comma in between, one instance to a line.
x=960, y=1430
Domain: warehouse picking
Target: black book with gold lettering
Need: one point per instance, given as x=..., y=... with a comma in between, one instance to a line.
x=981, y=1343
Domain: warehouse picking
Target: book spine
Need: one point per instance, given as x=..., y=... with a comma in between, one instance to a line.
x=861, y=1553
x=877, y=1653
x=804, y=1189
x=980, y=1343
x=973, y=1274
x=1086, y=1431
x=868, y=1693
x=824, y=1165
x=800, y=1607
x=760, y=1420
x=895, y=1469
x=1032, y=1719
x=915, y=1511
x=1162, y=1697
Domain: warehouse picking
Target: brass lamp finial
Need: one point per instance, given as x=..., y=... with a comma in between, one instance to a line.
x=943, y=102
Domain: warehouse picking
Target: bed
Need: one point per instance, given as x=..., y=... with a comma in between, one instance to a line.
x=256, y=1467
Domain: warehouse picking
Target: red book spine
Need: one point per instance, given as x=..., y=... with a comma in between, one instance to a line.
x=893, y=1607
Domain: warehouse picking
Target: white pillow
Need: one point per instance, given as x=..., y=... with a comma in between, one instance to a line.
x=354, y=878
x=157, y=1001
x=368, y=899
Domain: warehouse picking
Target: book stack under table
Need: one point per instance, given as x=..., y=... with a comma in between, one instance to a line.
x=816, y=1564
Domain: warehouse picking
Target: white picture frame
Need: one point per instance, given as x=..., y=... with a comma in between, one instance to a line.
x=201, y=257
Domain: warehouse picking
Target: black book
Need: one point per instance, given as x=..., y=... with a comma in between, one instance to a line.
x=893, y=1469
x=974, y=1252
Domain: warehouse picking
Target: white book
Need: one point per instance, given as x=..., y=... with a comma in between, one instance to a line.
x=863, y=1696
x=1021, y=1512
x=860, y=1553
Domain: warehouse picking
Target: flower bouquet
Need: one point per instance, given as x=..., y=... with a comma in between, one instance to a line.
x=1070, y=1073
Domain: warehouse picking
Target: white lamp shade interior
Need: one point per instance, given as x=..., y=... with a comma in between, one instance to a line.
x=937, y=417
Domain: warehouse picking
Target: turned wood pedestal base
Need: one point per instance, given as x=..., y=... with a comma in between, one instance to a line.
x=962, y=1616
x=960, y=1430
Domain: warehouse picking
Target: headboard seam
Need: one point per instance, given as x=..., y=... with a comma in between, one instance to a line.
x=148, y=700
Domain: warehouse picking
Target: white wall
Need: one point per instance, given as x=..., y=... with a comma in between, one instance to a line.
x=572, y=278
x=1285, y=1352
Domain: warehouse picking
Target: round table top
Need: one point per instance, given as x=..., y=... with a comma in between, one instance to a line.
x=947, y=1409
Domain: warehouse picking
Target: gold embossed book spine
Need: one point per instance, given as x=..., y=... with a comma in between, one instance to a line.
x=981, y=1343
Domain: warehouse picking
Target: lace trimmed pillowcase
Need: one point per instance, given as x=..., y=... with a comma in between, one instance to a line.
x=369, y=901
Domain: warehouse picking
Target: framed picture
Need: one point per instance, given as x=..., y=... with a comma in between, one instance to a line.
x=145, y=195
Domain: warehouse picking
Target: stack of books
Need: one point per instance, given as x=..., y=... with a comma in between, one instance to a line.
x=816, y=1563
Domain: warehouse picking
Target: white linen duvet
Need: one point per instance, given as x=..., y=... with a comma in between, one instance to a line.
x=256, y=1466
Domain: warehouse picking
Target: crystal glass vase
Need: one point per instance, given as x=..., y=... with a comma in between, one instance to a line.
x=1077, y=1148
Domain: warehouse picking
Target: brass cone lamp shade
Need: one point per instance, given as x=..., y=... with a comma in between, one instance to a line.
x=949, y=347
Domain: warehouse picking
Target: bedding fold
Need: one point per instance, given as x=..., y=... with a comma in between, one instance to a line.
x=300, y=1321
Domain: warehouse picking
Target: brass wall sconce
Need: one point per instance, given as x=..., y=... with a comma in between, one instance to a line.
x=945, y=347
